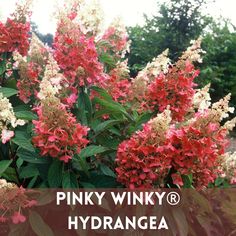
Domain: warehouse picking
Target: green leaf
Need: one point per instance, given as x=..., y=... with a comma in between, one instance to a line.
x=38, y=225
x=188, y=180
x=86, y=185
x=29, y=171
x=219, y=181
x=103, y=181
x=10, y=175
x=22, y=141
x=107, y=59
x=32, y=182
x=92, y=150
x=80, y=164
x=107, y=171
x=19, y=162
x=112, y=107
x=26, y=115
x=55, y=174
x=69, y=180
x=2, y=66
x=103, y=93
x=8, y=92
x=4, y=165
x=88, y=106
x=105, y=125
x=23, y=107
x=144, y=118
x=31, y=157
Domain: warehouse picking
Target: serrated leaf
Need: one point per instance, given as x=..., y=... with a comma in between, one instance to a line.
x=22, y=141
x=104, y=181
x=112, y=107
x=10, y=175
x=31, y=157
x=86, y=185
x=69, y=180
x=92, y=150
x=188, y=180
x=105, y=125
x=107, y=171
x=55, y=174
x=2, y=66
x=8, y=92
x=81, y=164
x=38, y=225
x=107, y=59
x=32, y=182
x=29, y=171
x=25, y=115
x=103, y=93
x=4, y=165
x=219, y=181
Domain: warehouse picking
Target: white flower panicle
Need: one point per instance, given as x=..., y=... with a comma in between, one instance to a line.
x=221, y=108
x=87, y=16
x=19, y=60
x=38, y=52
x=7, y=115
x=202, y=99
x=51, y=82
x=229, y=166
x=229, y=125
x=161, y=123
x=7, y=119
x=193, y=53
x=121, y=32
x=123, y=68
x=22, y=10
x=6, y=185
x=90, y=17
x=160, y=64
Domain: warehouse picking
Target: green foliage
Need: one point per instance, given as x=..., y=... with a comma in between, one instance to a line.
x=219, y=63
x=176, y=23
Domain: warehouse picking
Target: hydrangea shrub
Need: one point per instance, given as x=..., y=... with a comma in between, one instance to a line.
x=71, y=116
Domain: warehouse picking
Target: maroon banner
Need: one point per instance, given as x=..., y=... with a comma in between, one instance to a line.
x=117, y=212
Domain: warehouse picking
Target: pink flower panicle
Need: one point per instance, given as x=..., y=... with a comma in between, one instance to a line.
x=191, y=149
x=118, y=84
x=14, y=37
x=13, y=203
x=77, y=56
x=57, y=133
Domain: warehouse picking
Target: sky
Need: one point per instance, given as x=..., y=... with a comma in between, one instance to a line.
x=131, y=11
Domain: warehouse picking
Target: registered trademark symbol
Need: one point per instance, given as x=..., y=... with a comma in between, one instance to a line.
x=173, y=198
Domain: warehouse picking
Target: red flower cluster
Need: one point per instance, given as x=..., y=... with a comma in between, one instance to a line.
x=175, y=89
x=192, y=149
x=57, y=133
x=117, y=40
x=12, y=202
x=29, y=82
x=143, y=159
x=118, y=85
x=14, y=37
x=197, y=150
x=77, y=56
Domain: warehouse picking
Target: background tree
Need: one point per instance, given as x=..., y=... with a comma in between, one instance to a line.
x=219, y=62
x=176, y=23
x=45, y=38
